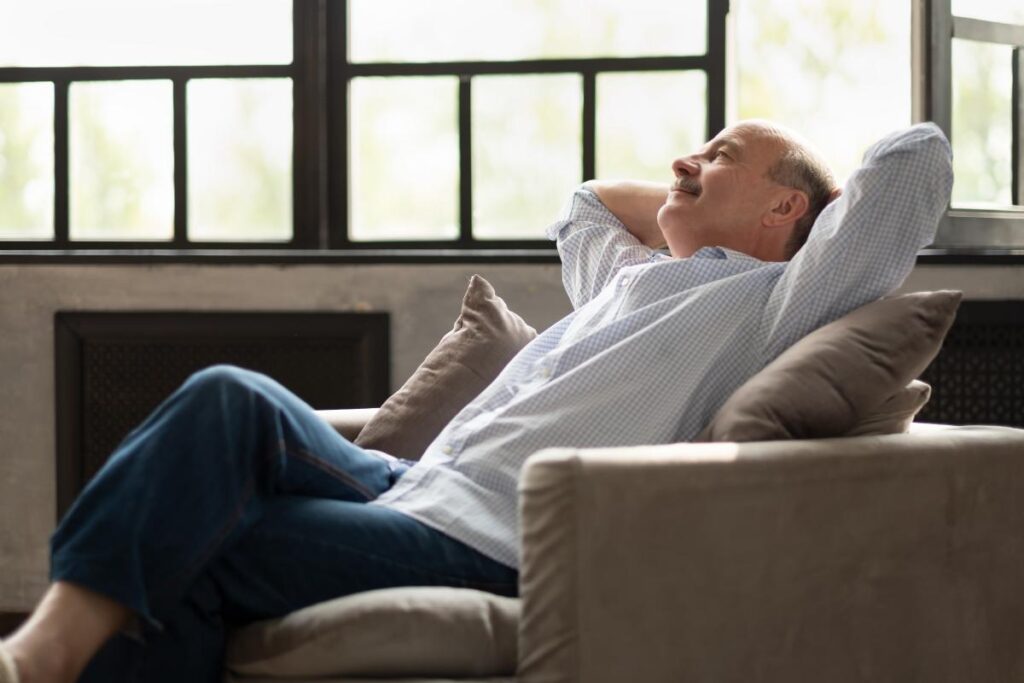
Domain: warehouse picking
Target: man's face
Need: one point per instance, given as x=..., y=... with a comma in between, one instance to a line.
x=721, y=193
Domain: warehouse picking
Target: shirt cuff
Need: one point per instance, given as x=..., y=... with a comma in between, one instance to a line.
x=583, y=206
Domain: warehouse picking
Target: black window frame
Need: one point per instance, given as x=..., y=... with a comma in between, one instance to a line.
x=320, y=72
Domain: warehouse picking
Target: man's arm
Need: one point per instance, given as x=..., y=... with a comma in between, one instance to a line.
x=594, y=245
x=865, y=243
x=636, y=204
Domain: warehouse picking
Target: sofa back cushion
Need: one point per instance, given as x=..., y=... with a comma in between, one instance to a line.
x=849, y=377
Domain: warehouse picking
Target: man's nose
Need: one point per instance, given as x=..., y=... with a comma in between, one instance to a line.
x=685, y=166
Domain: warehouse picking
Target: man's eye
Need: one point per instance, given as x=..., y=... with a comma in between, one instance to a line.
x=721, y=155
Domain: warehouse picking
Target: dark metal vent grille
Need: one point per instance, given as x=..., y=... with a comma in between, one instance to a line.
x=978, y=377
x=113, y=369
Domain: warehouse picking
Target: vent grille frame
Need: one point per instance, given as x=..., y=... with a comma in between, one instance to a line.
x=113, y=368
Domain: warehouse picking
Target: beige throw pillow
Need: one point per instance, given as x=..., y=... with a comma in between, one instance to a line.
x=389, y=633
x=837, y=380
x=485, y=338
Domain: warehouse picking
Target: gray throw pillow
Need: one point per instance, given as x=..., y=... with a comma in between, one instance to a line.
x=840, y=376
x=485, y=338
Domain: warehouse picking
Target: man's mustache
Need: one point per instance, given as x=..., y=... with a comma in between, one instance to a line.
x=686, y=184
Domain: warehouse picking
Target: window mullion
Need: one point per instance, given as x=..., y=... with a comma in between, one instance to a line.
x=968, y=28
x=1017, y=127
x=337, y=124
x=940, y=65
x=589, y=126
x=309, y=219
x=465, y=160
x=61, y=210
x=180, y=240
x=717, y=12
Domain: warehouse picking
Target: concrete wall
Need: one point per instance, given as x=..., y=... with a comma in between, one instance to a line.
x=423, y=302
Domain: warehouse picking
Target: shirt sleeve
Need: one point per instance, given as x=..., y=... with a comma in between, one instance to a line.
x=593, y=245
x=864, y=244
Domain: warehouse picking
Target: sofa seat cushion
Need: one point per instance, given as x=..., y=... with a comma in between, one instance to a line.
x=414, y=632
x=229, y=678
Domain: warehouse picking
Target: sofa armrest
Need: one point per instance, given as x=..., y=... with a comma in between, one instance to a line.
x=872, y=558
x=348, y=421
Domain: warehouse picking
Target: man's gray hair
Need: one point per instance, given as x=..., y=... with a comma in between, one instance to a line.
x=801, y=169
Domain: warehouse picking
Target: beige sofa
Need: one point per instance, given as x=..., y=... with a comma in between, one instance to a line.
x=889, y=558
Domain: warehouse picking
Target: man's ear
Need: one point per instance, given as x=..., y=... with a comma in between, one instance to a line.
x=787, y=208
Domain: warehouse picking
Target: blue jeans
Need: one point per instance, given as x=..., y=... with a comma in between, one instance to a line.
x=234, y=502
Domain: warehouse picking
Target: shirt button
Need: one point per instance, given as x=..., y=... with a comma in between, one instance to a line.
x=447, y=450
x=624, y=281
x=545, y=372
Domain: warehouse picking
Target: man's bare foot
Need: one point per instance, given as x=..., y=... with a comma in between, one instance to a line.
x=39, y=667
x=63, y=633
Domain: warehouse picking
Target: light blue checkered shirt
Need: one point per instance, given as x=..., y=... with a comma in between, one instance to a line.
x=656, y=344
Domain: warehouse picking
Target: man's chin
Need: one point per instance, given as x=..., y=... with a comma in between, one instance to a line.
x=672, y=215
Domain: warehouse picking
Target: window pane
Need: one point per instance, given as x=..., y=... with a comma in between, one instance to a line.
x=239, y=159
x=26, y=161
x=441, y=30
x=645, y=120
x=526, y=152
x=836, y=71
x=1007, y=11
x=145, y=32
x=404, y=176
x=122, y=160
x=982, y=80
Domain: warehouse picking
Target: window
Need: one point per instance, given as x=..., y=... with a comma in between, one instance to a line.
x=971, y=56
x=129, y=125
x=317, y=125
x=372, y=126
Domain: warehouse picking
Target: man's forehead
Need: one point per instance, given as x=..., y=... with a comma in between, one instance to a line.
x=728, y=139
x=746, y=138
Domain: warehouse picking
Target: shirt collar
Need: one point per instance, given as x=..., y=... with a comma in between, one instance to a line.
x=722, y=253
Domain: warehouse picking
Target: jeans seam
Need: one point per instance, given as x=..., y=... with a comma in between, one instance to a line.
x=247, y=490
x=336, y=472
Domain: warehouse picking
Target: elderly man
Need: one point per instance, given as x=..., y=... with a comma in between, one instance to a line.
x=234, y=502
